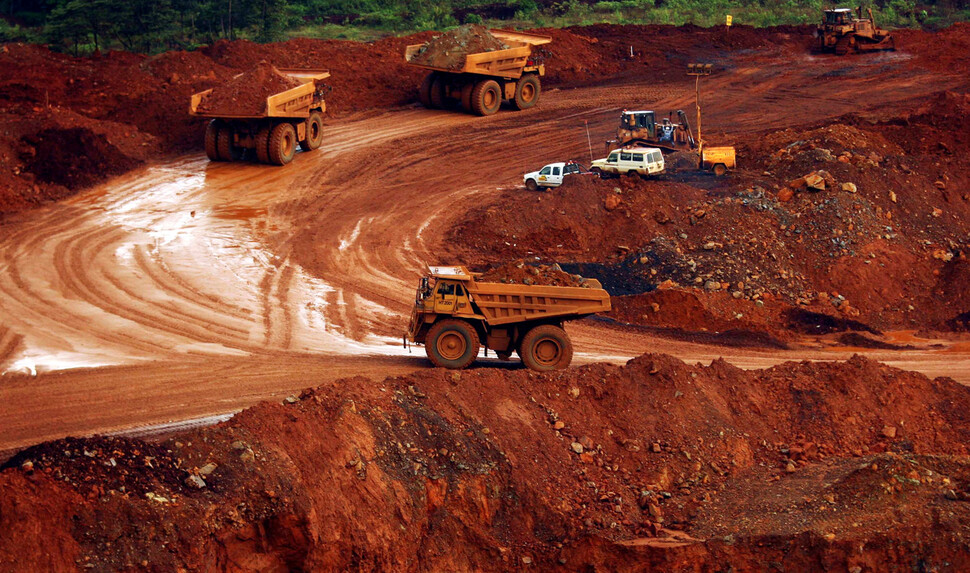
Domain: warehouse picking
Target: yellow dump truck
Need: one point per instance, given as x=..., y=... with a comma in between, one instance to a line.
x=455, y=315
x=290, y=117
x=487, y=78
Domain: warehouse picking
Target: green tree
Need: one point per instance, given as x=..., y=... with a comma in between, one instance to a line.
x=80, y=22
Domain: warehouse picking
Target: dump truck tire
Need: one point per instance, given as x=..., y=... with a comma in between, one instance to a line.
x=527, y=91
x=314, y=132
x=486, y=97
x=452, y=343
x=226, y=149
x=466, y=97
x=424, y=91
x=437, y=94
x=262, y=143
x=282, y=143
x=546, y=347
x=212, y=140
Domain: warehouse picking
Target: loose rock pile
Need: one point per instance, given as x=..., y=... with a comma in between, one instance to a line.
x=246, y=93
x=449, y=50
x=522, y=272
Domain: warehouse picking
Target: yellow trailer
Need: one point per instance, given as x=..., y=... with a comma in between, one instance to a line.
x=718, y=159
x=455, y=315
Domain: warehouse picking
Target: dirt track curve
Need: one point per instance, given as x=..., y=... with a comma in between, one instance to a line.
x=192, y=289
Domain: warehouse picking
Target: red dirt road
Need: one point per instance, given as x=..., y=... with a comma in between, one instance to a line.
x=191, y=289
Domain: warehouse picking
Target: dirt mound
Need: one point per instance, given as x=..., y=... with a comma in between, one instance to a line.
x=681, y=161
x=448, y=50
x=521, y=272
x=689, y=309
x=74, y=158
x=246, y=93
x=618, y=462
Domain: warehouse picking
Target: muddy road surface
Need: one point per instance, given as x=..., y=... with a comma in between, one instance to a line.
x=192, y=289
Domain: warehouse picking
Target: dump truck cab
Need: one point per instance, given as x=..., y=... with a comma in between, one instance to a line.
x=838, y=17
x=455, y=315
x=442, y=294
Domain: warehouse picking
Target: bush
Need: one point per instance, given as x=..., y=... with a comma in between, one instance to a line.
x=14, y=33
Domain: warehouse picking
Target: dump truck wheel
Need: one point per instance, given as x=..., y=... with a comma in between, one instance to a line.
x=452, y=343
x=424, y=92
x=486, y=97
x=720, y=170
x=527, y=91
x=546, y=347
x=437, y=94
x=314, y=132
x=212, y=140
x=531, y=185
x=282, y=143
x=466, y=97
x=262, y=143
x=226, y=149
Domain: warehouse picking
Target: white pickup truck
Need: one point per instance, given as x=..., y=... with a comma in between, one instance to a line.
x=551, y=175
x=641, y=161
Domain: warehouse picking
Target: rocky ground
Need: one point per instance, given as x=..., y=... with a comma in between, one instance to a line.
x=656, y=464
x=865, y=219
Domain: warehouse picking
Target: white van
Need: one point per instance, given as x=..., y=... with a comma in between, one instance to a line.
x=630, y=161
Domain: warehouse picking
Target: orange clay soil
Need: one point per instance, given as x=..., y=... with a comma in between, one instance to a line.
x=655, y=465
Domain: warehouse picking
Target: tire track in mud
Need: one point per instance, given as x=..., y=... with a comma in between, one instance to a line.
x=167, y=280
x=276, y=313
x=10, y=343
x=77, y=261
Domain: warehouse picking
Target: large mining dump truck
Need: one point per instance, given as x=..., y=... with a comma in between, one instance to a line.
x=454, y=315
x=267, y=111
x=479, y=81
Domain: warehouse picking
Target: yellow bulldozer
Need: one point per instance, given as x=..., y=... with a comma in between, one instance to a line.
x=842, y=32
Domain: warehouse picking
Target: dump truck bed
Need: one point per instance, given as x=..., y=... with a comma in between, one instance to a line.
x=506, y=63
x=510, y=303
x=295, y=102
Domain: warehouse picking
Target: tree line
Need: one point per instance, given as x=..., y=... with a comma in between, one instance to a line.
x=84, y=26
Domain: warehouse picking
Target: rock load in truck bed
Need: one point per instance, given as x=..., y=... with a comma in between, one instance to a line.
x=520, y=272
x=448, y=50
x=246, y=93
